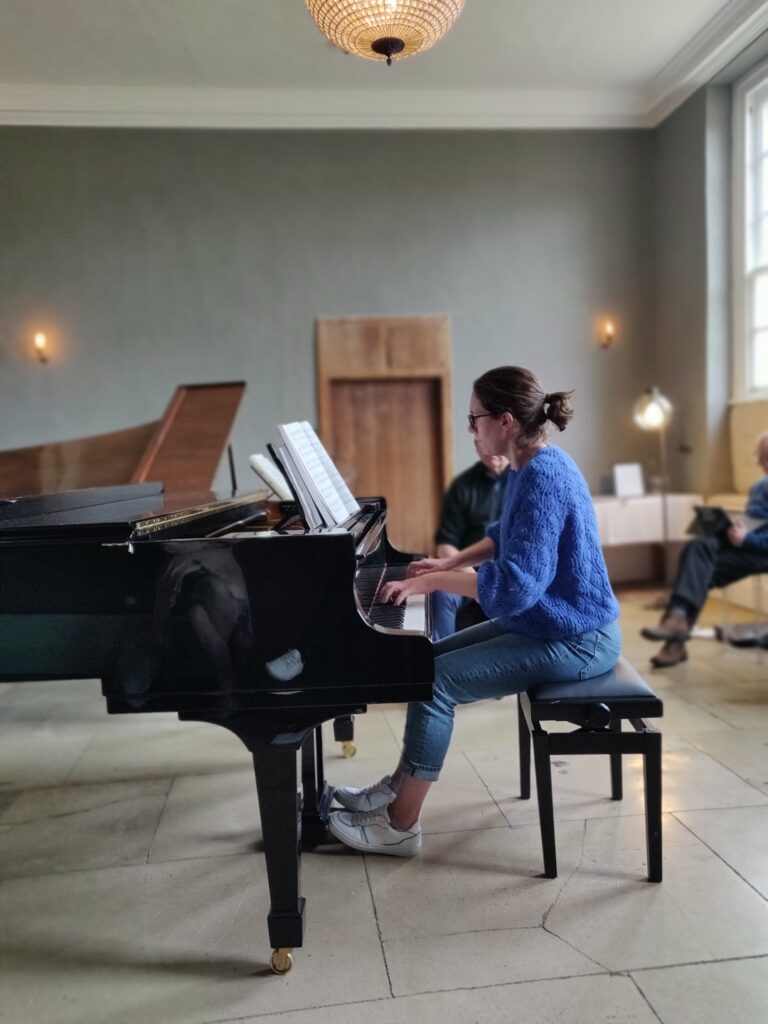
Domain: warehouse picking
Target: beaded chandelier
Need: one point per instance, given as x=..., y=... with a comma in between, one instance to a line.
x=384, y=29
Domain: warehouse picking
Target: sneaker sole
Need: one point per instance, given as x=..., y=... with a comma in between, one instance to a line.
x=392, y=850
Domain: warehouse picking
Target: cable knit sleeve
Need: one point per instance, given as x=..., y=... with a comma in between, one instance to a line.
x=492, y=531
x=526, y=545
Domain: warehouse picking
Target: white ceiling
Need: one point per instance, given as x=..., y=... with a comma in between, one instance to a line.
x=263, y=63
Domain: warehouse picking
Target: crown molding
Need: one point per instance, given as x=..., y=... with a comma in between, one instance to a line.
x=138, y=107
x=737, y=25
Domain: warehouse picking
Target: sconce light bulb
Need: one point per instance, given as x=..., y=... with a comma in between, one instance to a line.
x=41, y=343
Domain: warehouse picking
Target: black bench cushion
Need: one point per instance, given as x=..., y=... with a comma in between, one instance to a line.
x=622, y=689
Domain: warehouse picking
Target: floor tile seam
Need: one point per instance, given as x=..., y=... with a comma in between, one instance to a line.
x=644, y=997
x=695, y=963
x=722, y=860
x=463, y=831
x=564, y=886
x=732, y=727
x=395, y=737
x=722, y=764
x=725, y=807
x=158, y=820
x=467, y=931
x=477, y=774
x=122, y=864
x=703, y=707
x=83, y=810
x=504, y=984
x=270, y=1014
x=128, y=781
x=136, y=780
x=544, y=921
x=378, y=925
x=68, y=775
x=409, y=995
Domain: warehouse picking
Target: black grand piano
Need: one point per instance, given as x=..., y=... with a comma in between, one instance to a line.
x=216, y=611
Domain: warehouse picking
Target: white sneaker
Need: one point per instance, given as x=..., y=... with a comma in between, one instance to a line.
x=371, y=832
x=287, y=666
x=368, y=798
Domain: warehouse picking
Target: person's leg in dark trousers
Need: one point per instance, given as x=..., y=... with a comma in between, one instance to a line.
x=706, y=562
x=695, y=574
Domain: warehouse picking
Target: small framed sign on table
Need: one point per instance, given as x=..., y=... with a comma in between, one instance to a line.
x=628, y=480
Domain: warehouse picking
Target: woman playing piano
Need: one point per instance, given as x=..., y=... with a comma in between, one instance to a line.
x=542, y=582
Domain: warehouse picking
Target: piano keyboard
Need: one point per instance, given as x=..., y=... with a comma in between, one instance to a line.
x=368, y=583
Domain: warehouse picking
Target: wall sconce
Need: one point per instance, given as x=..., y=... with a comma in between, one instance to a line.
x=607, y=334
x=41, y=344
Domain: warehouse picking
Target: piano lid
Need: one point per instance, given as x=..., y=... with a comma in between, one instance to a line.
x=123, y=512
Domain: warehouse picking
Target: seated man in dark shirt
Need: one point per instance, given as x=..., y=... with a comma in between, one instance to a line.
x=713, y=561
x=472, y=502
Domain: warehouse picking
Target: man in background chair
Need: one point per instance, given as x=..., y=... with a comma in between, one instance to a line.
x=713, y=561
x=472, y=501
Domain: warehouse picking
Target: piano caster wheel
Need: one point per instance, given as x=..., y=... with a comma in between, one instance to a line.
x=281, y=961
x=348, y=749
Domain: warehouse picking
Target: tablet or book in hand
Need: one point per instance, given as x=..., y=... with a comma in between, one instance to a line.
x=712, y=520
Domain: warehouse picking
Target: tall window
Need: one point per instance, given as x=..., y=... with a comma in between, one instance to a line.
x=750, y=280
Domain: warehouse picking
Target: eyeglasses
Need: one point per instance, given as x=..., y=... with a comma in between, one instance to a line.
x=473, y=417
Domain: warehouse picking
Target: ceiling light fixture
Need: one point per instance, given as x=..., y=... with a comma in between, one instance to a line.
x=384, y=29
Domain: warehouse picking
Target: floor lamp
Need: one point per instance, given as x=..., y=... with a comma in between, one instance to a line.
x=653, y=412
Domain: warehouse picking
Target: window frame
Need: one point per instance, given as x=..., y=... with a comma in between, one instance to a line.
x=746, y=130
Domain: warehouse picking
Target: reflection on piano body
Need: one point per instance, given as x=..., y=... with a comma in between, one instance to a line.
x=202, y=608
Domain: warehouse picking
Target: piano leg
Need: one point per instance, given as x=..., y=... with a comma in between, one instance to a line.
x=282, y=818
x=276, y=784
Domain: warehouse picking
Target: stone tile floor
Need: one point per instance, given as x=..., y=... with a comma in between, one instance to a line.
x=131, y=888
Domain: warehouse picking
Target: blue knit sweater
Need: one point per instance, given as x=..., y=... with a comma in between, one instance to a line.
x=548, y=578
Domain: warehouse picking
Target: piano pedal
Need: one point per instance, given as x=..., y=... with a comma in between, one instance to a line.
x=281, y=960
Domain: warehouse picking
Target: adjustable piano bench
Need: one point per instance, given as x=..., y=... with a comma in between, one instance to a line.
x=598, y=706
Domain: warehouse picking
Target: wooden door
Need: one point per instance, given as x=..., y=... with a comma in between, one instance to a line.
x=384, y=401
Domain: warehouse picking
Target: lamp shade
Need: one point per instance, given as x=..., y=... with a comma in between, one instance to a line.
x=653, y=410
x=384, y=29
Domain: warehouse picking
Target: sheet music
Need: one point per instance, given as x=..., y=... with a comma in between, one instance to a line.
x=350, y=502
x=313, y=473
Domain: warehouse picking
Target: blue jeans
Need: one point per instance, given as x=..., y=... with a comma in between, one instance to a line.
x=450, y=609
x=445, y=608
x=483, y=662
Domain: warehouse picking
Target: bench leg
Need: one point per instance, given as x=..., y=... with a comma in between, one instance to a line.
x=652, y=772
x=617, y=785
x=546, y=808
x=524, y=738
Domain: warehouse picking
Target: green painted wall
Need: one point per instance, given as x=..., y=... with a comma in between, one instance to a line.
x=160, y=257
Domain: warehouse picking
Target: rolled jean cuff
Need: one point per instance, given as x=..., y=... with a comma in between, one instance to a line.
x=424, y=773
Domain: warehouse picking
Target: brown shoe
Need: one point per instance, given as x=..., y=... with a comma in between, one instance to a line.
x=673, y=626
x=672, y=653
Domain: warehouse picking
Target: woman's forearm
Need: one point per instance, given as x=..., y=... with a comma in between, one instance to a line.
x=474, y=554
x=453, y=582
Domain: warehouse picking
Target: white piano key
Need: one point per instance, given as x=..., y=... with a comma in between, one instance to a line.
x=415, y=615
